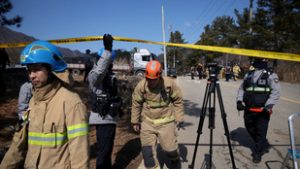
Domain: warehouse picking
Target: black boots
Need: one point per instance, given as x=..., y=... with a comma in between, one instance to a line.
x=258, y=154
x=256, y=158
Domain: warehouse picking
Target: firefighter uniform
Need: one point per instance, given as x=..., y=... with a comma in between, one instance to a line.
x=236, y=71
x=57, y=134
x=157, y=109
x=58, y=124
x=260, y=91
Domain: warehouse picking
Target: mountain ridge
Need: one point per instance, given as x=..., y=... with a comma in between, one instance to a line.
x=9, y=36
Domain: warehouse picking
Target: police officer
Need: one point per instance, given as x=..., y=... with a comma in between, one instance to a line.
x=157, y=107
x=257, y=95
x=105, y=103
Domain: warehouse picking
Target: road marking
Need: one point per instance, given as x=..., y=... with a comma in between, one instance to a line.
x=290, y=100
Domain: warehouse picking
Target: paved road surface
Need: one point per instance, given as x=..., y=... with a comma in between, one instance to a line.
x=278, y=134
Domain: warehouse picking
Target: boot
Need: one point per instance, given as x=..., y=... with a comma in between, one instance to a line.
x=256, y=158
x=176, y=164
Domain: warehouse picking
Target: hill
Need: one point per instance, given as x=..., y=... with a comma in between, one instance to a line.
x=9, y=36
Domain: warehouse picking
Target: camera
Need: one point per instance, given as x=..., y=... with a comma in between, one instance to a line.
x=214, y=69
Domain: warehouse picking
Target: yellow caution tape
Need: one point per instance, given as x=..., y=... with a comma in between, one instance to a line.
x=234, y=51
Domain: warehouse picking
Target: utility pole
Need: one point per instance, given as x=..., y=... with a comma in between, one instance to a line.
x=174, y=48
x=164, y=37
x=250, y=16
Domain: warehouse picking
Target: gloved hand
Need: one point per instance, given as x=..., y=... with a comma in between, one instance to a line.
x=136, y=127
x=240, y=106
x=180, y=125
x=268, y=109
x=108, y=41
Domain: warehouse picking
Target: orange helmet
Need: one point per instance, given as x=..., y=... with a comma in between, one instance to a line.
x=153, y=69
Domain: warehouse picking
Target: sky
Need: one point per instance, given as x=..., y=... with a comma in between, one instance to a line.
x=139, y=19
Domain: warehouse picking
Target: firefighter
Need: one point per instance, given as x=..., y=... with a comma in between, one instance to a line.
x=257, y=95
x=105, y=103
x=236, y=71
x=157, y=109
x=58, y=128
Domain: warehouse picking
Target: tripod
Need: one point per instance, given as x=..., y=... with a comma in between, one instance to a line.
x=212, y=87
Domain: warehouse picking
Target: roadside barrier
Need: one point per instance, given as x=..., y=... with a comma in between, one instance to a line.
x=234, y=51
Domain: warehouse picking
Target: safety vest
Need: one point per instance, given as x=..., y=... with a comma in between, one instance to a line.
x=256, y=93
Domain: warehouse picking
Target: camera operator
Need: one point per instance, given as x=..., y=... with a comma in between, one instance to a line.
x=105, y=103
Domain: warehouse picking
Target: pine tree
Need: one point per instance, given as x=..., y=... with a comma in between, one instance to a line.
x=5, y=7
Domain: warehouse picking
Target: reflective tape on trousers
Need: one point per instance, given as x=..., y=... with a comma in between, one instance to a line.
x=162, y=120
x=234, y=51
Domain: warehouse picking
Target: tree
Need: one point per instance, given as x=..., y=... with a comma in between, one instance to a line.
x=175, y=54
x=276, y=26
x=5, y=7
x=123, y=56
x=222, y=32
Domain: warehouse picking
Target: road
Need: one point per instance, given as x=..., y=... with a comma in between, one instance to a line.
x=278, y=134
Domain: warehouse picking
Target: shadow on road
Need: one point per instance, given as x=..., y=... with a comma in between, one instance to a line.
x=242, y=136
x=128, y=152
x=191, y=109
x=124, y=156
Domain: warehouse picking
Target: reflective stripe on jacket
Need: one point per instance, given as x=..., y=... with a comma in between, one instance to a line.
x=56, y=139
x=268, y=94
x=256, y=92
x=58, y=132
x=157, y=104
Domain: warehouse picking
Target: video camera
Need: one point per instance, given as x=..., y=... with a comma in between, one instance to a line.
x=214, y=69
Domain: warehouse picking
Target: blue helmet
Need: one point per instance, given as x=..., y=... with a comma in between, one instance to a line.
x=43, y=52
x=100, y=52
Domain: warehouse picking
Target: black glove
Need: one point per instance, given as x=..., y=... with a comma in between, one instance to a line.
x=240, y=106
x=180, y=125
x=107, y=41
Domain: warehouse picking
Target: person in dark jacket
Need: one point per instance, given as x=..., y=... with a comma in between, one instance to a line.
x=4, y=61
x=25, y=95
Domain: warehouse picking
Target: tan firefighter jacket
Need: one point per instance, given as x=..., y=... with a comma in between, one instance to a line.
x=158, y=105
x=58, y=130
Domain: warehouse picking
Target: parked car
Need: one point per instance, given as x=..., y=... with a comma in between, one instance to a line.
x=172, y=72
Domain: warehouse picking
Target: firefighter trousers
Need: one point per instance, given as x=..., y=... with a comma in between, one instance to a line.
x=166, y=135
